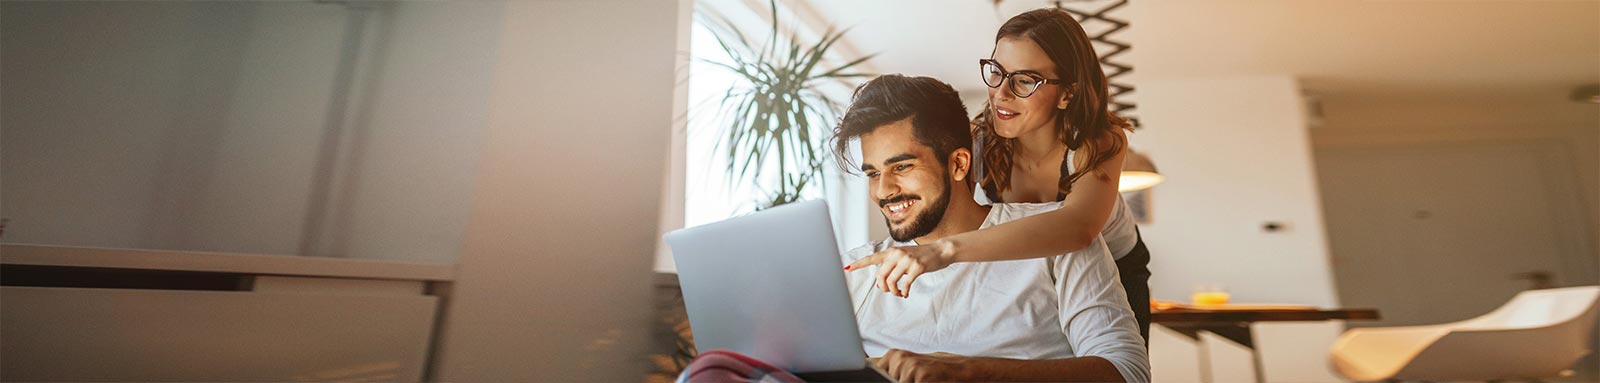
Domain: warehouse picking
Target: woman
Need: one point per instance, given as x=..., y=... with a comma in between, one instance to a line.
x=1045, y=135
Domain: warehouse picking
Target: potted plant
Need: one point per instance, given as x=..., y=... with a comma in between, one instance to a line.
x=773, y=120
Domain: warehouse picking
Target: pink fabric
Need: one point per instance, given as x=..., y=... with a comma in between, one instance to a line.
x=723, y=366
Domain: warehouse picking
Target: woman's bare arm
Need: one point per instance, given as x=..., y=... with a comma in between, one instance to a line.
x=1083, y=214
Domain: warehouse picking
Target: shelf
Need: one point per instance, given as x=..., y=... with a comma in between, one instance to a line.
x=291, y=265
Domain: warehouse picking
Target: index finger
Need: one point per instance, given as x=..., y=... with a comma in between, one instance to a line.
x=862, y=263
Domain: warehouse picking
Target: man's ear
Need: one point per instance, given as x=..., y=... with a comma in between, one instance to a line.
x=960, y=164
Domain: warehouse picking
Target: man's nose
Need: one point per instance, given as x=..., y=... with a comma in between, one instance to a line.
x=884, y=187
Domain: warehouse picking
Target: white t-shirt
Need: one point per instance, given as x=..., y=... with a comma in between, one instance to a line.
x=1063, y=306
x=1121, y=231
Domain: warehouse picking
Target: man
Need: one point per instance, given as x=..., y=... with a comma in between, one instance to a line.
x=1059, y=318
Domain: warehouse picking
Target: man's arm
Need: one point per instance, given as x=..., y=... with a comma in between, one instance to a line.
x=906, y=366
x=1095, y=315
x=1080, y=369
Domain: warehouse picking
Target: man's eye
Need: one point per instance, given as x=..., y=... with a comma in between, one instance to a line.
x=872, y=174
x=901, y=167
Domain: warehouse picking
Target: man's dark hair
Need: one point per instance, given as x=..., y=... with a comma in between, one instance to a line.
x=938, y=118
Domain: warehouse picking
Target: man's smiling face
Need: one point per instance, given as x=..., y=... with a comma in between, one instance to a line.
x=906, y=179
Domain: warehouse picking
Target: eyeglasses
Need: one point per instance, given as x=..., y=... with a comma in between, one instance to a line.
x=1023, y=83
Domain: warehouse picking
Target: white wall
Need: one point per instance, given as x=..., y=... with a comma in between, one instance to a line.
x=416, y=144
x=1236, y=154
x=196, y=126
x=123, y=120
x=1549, y=117
x=674, y=173
x=554, y=277
x=262, y=151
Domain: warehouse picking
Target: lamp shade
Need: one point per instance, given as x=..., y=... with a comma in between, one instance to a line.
x=1138, y=173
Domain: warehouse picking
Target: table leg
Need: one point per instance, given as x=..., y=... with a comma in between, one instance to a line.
x=1255, y=360
x=1193, y=333
x=1239, y=332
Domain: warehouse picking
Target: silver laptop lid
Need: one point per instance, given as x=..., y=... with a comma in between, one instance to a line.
x=770, y=285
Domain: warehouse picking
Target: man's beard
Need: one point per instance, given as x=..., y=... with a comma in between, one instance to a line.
x=924, y=222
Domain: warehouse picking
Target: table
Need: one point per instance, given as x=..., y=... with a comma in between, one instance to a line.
x=1234, y=324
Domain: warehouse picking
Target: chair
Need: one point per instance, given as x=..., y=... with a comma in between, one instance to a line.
x=1536, y=335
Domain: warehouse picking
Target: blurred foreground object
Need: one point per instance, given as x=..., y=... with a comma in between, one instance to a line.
x=717, y=366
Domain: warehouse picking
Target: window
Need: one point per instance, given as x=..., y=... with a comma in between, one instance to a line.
x=708, y=196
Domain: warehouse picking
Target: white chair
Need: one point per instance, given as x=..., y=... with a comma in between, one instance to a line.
x=1536, y=335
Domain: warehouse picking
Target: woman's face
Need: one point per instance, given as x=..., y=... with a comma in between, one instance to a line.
x=1016, y=116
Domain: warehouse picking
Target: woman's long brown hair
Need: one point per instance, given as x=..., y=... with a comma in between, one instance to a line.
x=1087, y=122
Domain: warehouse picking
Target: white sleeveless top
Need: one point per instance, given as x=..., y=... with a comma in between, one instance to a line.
x=1121, y=231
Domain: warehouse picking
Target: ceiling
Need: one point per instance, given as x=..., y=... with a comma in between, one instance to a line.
x=1371, y=51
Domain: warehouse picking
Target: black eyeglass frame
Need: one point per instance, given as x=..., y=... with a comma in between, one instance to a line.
x=1007, y=76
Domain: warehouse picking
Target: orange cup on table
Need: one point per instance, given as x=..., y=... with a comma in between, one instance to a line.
x=1209, y=295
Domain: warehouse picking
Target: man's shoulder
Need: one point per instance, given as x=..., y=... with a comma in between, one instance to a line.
x=1010, y=211
x=867, y=249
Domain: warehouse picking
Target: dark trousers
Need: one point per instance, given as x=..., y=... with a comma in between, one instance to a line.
x=1134, y=270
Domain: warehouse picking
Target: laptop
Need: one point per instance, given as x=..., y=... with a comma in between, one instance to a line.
x=771, y=285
